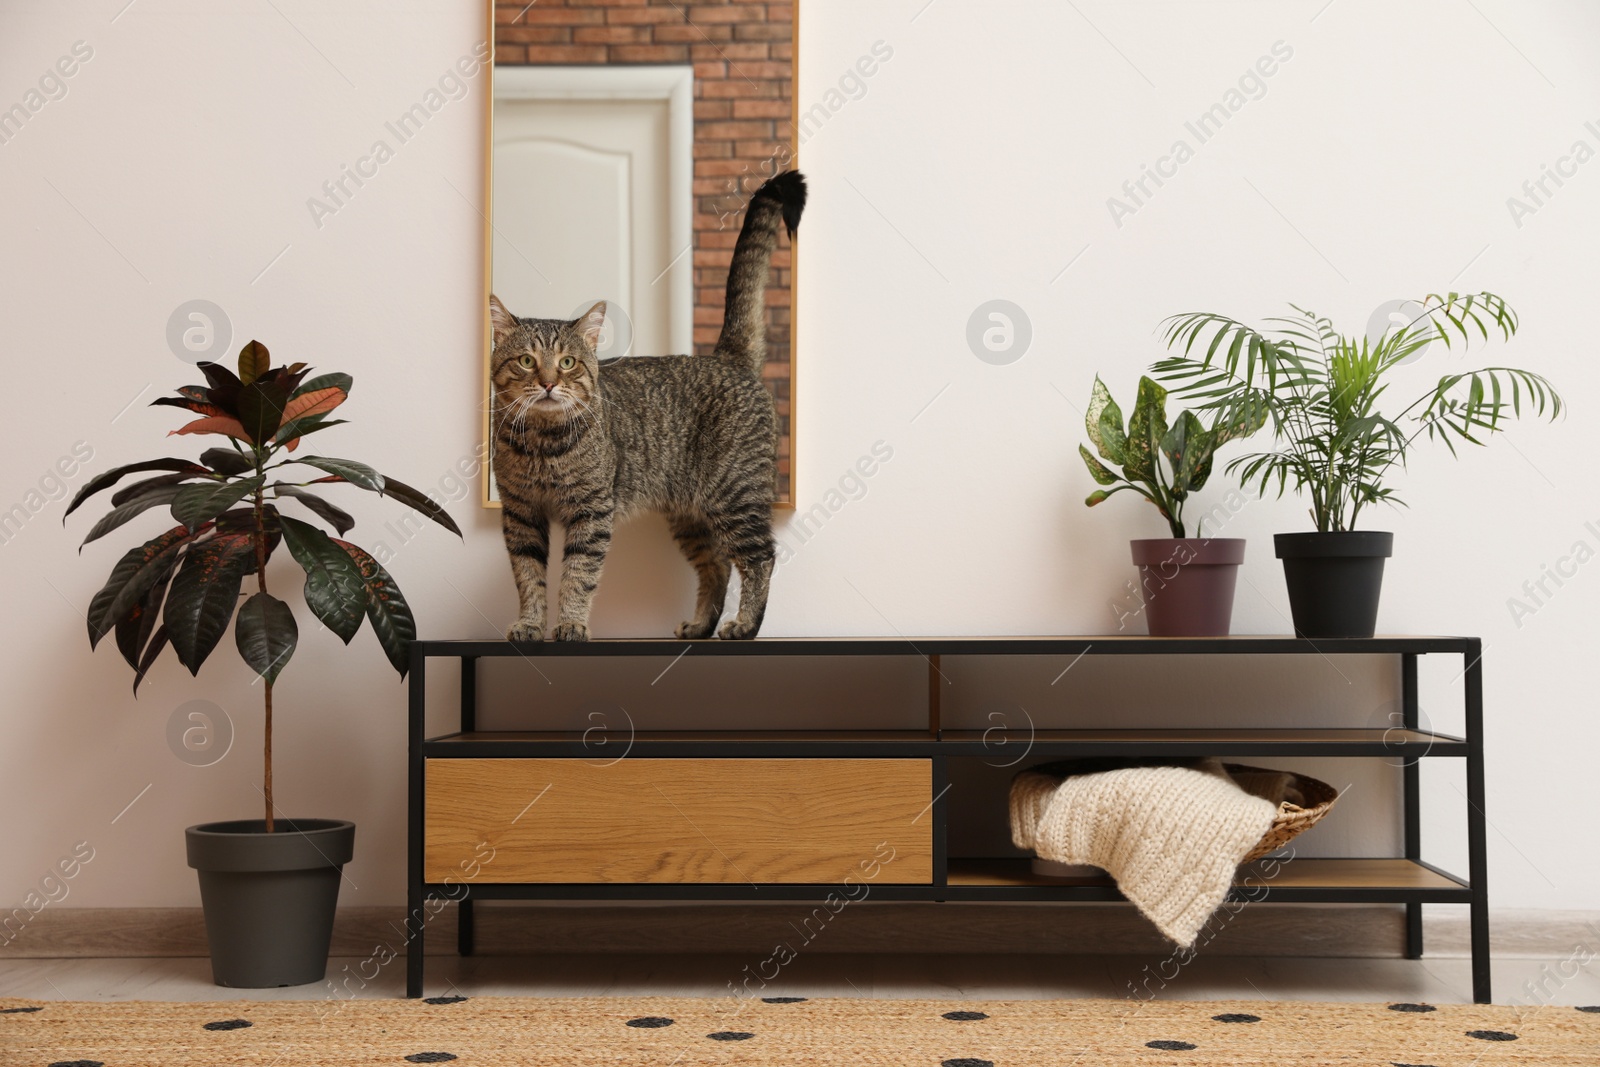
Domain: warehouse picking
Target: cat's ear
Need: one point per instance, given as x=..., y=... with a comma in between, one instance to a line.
x=590, y=322
x=501, y=321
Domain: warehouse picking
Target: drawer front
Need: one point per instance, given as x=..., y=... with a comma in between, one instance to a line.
x=805, y=821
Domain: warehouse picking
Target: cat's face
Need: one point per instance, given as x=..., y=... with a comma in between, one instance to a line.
x=544, y=370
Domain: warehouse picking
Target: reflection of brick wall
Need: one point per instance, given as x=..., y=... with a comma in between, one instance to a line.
x=743, y=104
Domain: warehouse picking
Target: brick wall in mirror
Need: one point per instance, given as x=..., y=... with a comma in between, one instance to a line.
x=626, y=137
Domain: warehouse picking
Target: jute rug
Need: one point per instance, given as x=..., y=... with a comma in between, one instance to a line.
x=788, y=1032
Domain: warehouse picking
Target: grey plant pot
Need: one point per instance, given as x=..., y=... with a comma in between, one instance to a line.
x=269, y=899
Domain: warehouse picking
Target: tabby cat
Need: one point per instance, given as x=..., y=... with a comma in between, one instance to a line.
x=584, y=443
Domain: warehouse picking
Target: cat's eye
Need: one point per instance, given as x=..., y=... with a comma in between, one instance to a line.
x=526, y=361
x=568, y=362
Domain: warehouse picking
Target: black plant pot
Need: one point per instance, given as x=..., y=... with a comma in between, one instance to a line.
x=269, y=898
x=1335, y=580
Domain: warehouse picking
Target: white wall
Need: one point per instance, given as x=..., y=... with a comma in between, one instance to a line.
x=977, y=165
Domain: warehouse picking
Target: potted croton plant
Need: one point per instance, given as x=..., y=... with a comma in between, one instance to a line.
x=1186, y=583
x=1321, y=390
x=268, y=886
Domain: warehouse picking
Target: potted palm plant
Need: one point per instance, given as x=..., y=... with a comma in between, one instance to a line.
x=268, y=886
x=1321, y=391
x=1186, y=583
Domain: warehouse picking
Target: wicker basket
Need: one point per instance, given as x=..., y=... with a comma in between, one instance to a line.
x=1292, y=820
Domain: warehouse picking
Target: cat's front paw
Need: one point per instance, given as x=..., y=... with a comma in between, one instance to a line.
x=694, y=631
x=570, y=631
x=525, y=630
x=736, y=630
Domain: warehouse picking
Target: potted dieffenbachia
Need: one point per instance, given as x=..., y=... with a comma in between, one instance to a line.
x=268, y=886
x=1186, y=583
x=1321, y=391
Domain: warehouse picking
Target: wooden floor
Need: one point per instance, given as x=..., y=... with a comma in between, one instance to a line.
x=1530, y=981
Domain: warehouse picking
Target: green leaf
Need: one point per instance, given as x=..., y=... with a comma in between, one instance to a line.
x=338, y=518
x=204, y=594
x=128, y=492
x=1103, y=421
x=131, y=579
x=253, y=362
x=195, y=504
x=325, y=381
x=301, y=427
x=386, y=608
x=420, y=501
x=1146, y=427
x=266, y=634
x=1241, y=419
x=1188, y=448
x=348, y=469
x=165, y=494
x=227, y=461
x=111, y=477
x=335, y=589
x=1098, y=470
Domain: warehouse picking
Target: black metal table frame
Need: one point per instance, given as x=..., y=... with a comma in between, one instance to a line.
x=939, y=745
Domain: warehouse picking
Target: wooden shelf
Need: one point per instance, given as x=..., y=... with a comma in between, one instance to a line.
x=1298, y=874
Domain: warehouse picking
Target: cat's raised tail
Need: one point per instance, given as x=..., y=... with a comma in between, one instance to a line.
x=744, y=321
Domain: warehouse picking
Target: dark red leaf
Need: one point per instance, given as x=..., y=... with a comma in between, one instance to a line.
x=204, y=594
x=386, y=608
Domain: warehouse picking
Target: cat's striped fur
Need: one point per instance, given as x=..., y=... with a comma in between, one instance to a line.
x=583, y=443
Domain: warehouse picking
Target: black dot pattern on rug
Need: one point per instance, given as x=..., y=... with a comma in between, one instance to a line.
x=430, y=1057
x=1593, y=1009
x=1412, y=1007
x=731, y=1035
x=229, y=1024
x=1235, y=1017
x=1491, y=1035
x=783, y=1000
x=77, y=1063
x=36, y=1007
x=967, y=1063
x=650, y=1022
x=1171, y=1046
x=964, y=1016
x=443, y=1000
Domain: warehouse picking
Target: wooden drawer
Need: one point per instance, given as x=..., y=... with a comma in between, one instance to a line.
x=679, y=820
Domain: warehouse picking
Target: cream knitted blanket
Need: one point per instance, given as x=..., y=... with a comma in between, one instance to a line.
x=1172, y=837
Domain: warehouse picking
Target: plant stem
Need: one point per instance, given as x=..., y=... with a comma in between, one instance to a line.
x=261, y=586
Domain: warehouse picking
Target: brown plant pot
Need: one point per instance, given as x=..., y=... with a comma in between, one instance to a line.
x=1187, y=583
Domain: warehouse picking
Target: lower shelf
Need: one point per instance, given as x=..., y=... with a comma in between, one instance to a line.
x=1299, y=877
x=1303, y=881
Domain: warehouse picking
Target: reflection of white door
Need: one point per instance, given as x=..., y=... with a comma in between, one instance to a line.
x=589, y=201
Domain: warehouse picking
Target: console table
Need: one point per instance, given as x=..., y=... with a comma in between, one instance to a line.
x=796, y=815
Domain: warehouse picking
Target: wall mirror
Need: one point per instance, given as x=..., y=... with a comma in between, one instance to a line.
x=624, y=140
